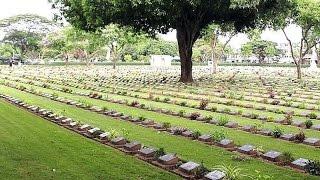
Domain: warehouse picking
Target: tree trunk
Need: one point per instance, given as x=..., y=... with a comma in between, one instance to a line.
x=299, y=73
x=318, y=54
x=114, y=56
x=186, y=38
x=213, y=53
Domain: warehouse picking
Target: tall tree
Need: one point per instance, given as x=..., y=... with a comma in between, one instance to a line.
x=306, y=14
x=187, y=17
x=27, y=42
x=212, y=34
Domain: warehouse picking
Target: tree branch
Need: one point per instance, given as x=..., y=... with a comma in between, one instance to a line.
x=291, y=47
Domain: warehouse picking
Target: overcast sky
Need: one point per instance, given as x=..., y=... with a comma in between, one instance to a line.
x=41, y=7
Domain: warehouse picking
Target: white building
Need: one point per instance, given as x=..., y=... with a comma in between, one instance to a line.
x=161, y=60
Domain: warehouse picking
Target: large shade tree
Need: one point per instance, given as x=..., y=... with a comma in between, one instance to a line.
x=188, y=17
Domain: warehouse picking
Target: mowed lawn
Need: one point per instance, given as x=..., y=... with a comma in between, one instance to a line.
x=187, y=149
x=32, y=148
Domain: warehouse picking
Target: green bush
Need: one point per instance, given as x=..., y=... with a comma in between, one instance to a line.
x=286, y=158
x=308, y=123
x=277, y=132
x=313, y=168
x=218, y=135
x=222, y=121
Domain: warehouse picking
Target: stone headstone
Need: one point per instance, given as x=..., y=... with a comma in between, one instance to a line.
x=316, y=127
x=132, y=146
x=93, y=130
x=299, y=163
x=187, y=133
x=189, y=167
x=299, y=124
x=118, y=141
x=265, y=132
x=147, y=152
x=104, y=135
x=168, y=159
x=226, y=143
x=312, y=141
x=84, y=127
x=205, y=138
x=215, y=175
x=232, y=125
x=272, y=156
x=288, y=137
x=247, y=149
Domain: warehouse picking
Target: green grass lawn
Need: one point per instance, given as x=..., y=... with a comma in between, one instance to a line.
x=32, y=148
x=189, y=150
x=177, y=108
x=240, y=137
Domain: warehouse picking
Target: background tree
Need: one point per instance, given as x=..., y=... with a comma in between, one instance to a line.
x=258, y=47
x=189, y=18
x=306, y=14
x=7, y=51
x=27, y=42
x=28, y=23
x=211, y=34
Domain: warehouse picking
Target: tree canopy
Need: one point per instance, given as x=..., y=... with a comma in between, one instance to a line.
x=152, y=16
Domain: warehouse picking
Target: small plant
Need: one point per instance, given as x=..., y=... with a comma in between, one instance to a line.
x=300, y=137
x=218, y=135
x=166, y=100
x=302, y=106
x=308, y=123
x=226, y=110
x=194, y=115
x=254, y=116
x=240, y=158
x=157, y=99
x=277, y=132
x=313, y=168
x=223, y=120
x=232, y=173
x=213, y=108
x=275, y=102
x=142, y=118
x=272, y=94
x=288, y=118
x=208, y=118
x=181, y=113
x=312, y=115
x=160, y=152
x=134, y=103
x=45, y=85
x=286, y=158
x=22, y=88
x=183, y=103
x=203, y=104
x=196, y=134
x=166, y=125
x=201, y=171
x=142, y=106
x=67, y=90
x=105, y=108
x=125, y=133
x=178, y=131
x=113, y=134
x=259, y=149
x=270, y=119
